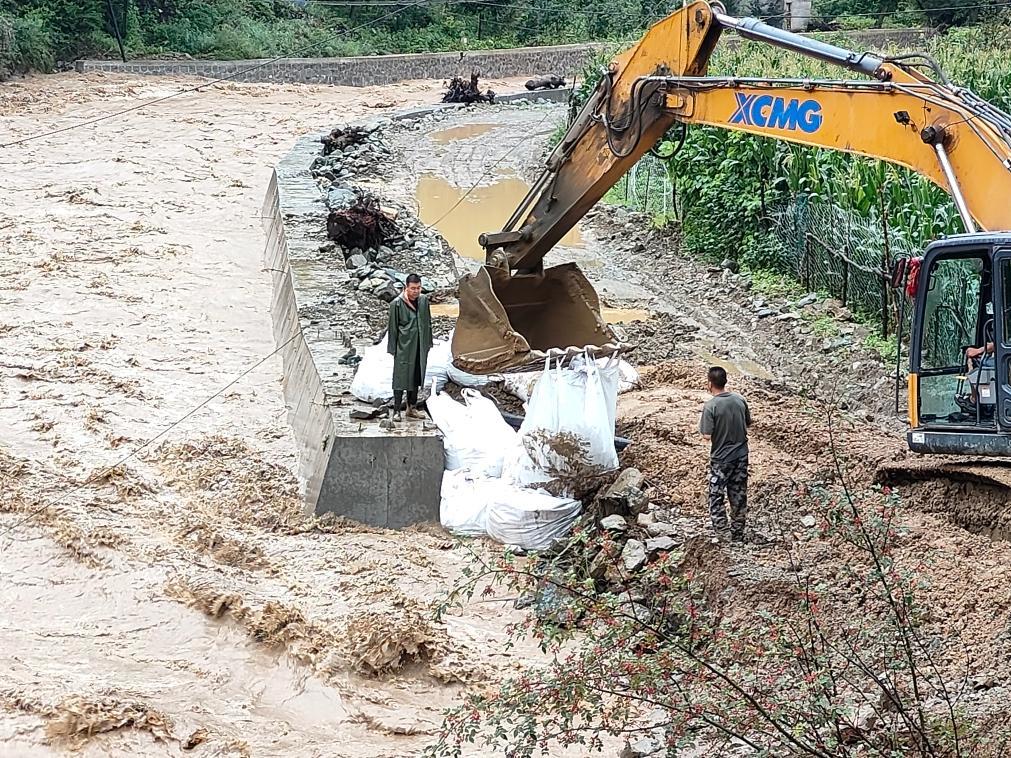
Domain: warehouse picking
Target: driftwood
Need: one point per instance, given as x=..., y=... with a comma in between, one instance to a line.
x=362, y=225
x=339, y=139
x=545, y=82
x=462, y=91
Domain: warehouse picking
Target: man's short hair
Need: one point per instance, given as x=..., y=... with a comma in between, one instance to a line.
x=718, y=377
x=413, y=279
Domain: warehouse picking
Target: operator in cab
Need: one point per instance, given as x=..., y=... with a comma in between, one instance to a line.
x=724, y=423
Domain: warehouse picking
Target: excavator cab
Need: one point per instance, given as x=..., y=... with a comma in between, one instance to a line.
x=962, y=306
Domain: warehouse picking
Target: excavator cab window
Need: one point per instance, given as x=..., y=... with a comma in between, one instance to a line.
x=958, y=314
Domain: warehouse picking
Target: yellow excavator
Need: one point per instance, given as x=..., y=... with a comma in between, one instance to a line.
x=514, y=312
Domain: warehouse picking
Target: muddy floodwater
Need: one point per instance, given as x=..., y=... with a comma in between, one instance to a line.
x=169, y=595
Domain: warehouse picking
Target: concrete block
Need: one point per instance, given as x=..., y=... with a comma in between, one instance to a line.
x=391, y=481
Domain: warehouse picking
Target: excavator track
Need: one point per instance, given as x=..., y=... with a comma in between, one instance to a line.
x=996, y=473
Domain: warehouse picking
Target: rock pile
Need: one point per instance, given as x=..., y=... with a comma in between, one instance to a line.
x=351, y=151
x=380, y=241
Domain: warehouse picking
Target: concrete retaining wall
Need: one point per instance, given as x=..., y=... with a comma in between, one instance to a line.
x=387, y=69
x=347, y=468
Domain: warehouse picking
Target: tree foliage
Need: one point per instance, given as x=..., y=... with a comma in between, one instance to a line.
x=47, y=32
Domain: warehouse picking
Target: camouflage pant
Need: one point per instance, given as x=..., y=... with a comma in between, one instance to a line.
x=731, y=477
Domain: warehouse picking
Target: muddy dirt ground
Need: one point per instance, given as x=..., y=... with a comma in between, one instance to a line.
x=179, y=601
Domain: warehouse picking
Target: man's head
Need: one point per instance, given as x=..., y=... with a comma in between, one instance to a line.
x=413, y=288
x=717, y=379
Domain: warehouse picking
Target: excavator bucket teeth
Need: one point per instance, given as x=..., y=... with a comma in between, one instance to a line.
x=508, y=322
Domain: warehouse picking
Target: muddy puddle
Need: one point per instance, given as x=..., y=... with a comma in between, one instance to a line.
x=464, y=131
x=462, y=214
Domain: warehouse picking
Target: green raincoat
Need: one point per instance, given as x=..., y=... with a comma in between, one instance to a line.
x=409, y=340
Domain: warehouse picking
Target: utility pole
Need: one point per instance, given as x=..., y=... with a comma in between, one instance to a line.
x=115, y=28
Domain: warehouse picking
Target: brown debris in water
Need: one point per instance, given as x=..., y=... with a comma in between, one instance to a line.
x=381, y=641
x=223, y=549
x=233, y=480
x=127, y=483
x=376, y=642
x=83, y=545
x=79, y=717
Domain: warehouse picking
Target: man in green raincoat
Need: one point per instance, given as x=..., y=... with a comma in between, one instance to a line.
x=410, y=339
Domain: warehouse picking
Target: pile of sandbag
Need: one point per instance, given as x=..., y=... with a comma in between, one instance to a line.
x=494, y=474
x=373, y=381
x=521, y=384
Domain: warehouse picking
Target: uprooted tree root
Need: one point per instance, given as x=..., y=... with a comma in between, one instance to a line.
x=460, y=90
x=362, y=225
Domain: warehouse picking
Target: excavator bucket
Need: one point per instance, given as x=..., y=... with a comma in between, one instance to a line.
x=508, y=322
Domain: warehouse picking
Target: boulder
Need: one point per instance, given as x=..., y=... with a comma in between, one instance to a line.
x=387, y=292
x=660, y=545
x=633, y=555
x=614, y=523
x=661, y=529
x=625, y=497
x=339, y=198
x=357, y=261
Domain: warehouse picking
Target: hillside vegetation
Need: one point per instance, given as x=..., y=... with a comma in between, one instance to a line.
x=42, y=34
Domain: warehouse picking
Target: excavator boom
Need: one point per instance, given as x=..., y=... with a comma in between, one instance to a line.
x=514, y=312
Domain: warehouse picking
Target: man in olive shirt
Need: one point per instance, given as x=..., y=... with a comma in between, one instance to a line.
x=725, y=421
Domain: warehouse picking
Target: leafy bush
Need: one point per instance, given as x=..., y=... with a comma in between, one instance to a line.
x=29, y=44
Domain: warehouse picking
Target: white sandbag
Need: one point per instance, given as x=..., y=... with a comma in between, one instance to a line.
x=521, y=384
x=628, y=376
x=440, y=358
x=374, y=378
x=451, y=417
x=569, y=426
x=464, y=506
x=475, y=436
x=464, y=379
x=529, y=519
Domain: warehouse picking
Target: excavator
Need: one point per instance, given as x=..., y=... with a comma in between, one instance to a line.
x=515, y=312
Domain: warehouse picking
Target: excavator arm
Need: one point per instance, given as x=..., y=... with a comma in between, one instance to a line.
x=513, y=311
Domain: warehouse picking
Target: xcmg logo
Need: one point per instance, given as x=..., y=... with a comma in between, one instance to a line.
x=777, y=112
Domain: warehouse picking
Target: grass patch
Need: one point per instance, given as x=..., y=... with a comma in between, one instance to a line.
x=825, y=327
x=773, y=284
x=885, y=348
